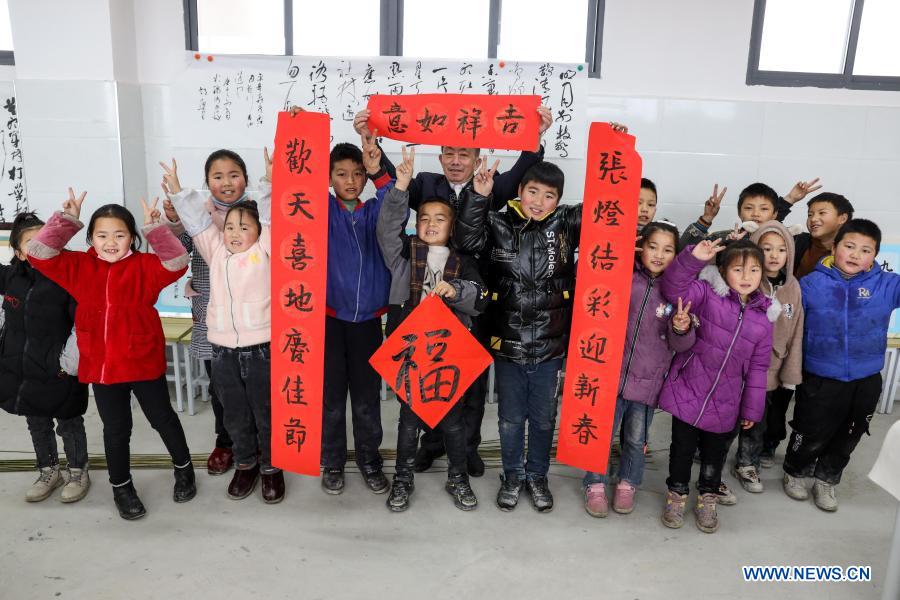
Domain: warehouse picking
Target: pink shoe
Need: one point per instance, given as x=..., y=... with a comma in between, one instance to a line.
x=623, y=501
x=595, y=502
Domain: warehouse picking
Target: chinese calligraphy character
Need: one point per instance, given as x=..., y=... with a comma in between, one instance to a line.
x=592, y=348
x=608, y=211
x=510, y=119
x=598, y=302
x=469, y=121
x=298, y=255
x=394, y=118
x=298, y=204
x=612, y=166
x=585, y=388
x=584, y=429
x=604, y=258
x=293, y=390
x=300, y=300
x=296, y=345
x=294, y=433
x=429, y=120
x=297, y=155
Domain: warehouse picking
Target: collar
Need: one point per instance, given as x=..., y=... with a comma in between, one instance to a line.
x=516, y=206
x=225, y=205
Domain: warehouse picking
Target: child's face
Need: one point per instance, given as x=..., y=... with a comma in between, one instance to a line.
x=758, y=209
x=226, y=180
x=646, y=206
x=22, y=250
x=744, y=277
x=855, y=253
x=658, y=252
x=348, y=178
x=823, y=220
x=434, y=223
x=775, y=250
x=458, y=163
x=111, y=239
x=241, y=231
x=538, y=199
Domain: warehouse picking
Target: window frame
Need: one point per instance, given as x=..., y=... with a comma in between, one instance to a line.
x=846, y=79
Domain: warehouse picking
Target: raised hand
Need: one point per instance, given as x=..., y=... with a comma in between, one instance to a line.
x=707, y=250
x=371, y=152
x=546, y=118
x=171, y=213
x=294, y=110
x=483, y=181
x=618, y=127
x=151, y=213
x=713, y=203
x=170, y=183
x=444, y=290
x=361, y=122
x=267, y=160
x=681, y=321
x=737, y=233
x=801, y=189
x=72, y=206
x=405, y=169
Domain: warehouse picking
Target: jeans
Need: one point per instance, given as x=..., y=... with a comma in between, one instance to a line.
x=527, y=393
x=634, y=420
x=114, y=406
x=453, y=432
x=243, y=383
x=750, y=441
x=348, y=347
x=685, y=440
x=223, y=440
x=44, y=440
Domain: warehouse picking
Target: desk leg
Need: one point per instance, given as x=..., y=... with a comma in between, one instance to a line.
x=189, y=378
x=176, y=366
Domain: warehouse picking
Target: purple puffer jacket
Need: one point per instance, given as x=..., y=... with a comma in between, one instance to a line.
x=649, y=340
x=723, y=377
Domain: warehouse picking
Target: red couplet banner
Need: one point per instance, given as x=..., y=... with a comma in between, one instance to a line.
x=299, y=266
x=430, y=360
x=602, y=293
x=509, y=122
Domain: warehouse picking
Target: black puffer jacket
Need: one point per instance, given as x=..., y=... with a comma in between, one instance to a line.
x=38, y=320
x=531, y=275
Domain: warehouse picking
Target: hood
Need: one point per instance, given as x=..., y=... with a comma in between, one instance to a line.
x=826, y=265
x=757, y=231
x=757, y=300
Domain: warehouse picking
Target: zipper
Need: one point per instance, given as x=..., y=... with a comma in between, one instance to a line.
x=105, y=322
x=237, y=336
x=637, y=330
x=359, y=272
x=724, y=362
x=683, y=367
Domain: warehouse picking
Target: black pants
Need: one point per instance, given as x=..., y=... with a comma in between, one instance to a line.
x=453, y=433
x=223, y=440
x=830, y=417
x=243, y=379
x=348, y=347
x=685, y=440
x=750, y=441
x=114, y=406
x=776, y=418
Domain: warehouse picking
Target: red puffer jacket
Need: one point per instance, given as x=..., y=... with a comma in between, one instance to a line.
x=120, y=336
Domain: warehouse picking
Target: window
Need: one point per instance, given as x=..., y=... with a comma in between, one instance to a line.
x=355, y=29
x=6, y=42
x=825, y=43
x=240, y=26
x=457, y=29
x=535, y=30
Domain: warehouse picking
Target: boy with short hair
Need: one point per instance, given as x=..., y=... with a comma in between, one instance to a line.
x=826, y=213
x=646, y=203
x=356, y=296
x=421, y=265
x=848, y=300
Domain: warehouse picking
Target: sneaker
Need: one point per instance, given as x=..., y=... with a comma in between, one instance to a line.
x=376, y=481
x=623, y=500
x=127, y=502
x=398, y=499
x=794, y=488
x=333, y=481
x=749, y=478
x=474, y=464
x=705, y=511
x=595, y=502
x=539, y=489
x=463, y=495
x=508, y=495
x=673, y=513
x=77, y=486
x=48, y=480
x=725, y=496
x=767, y=459
x=823, y=496
x=185, y=484
x=424, y=459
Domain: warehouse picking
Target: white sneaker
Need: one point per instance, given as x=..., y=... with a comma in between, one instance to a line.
x=823, y=495
x=48, y=480
x=77, y=486
x=794, y=488
x=749, y=478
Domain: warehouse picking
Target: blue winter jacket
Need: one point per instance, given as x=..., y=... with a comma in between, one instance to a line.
x=845, y=333
x=358, y=280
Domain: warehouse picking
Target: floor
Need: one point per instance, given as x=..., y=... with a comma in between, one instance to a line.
x=350, y=546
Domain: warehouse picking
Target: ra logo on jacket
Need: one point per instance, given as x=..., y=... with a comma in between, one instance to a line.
x=864, y=293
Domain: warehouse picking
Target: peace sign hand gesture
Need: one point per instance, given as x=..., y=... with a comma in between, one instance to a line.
x=170, y=183
x=707, y=250
x=483, y=181
x=72, y=206
x=713, y=203
x=267, y=160
x=737, y=233
x=681, y=322
x=151, y=213
x=405, y=169
x=371, y=152
x=801, y=189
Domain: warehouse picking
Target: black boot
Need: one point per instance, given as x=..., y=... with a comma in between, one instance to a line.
x=127, y=502
x=425, y=458
x=185, y=483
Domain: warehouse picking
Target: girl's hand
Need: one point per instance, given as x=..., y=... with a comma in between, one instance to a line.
x=72, y=206
x=747, y=424
x=268, y=162
x=444, y=290
x=405, y=169
x=295, y=109
x=483, y=181
x=371, y=153
x=801, y=189
x=361, y=122
x=170, y=182
x=171, y=213
x=737, y=234
x=681, y=322
x=546, y=118
x=151, y=213
x=618, y=127
x=707, y=250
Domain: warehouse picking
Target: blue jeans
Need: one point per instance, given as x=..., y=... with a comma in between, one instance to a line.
x=527, y=392
x=634, y=419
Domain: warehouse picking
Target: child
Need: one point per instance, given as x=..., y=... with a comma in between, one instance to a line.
x=422, y=265
x=356, y=294
x=646, y=203
x=655, y=331
x=37, y=375
x=120, y=337
x=848, y=300
x=239, y=331
x=530, y=315
x=225, y=174
x=723, y=378
x=785, y=368
x=826, y=213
